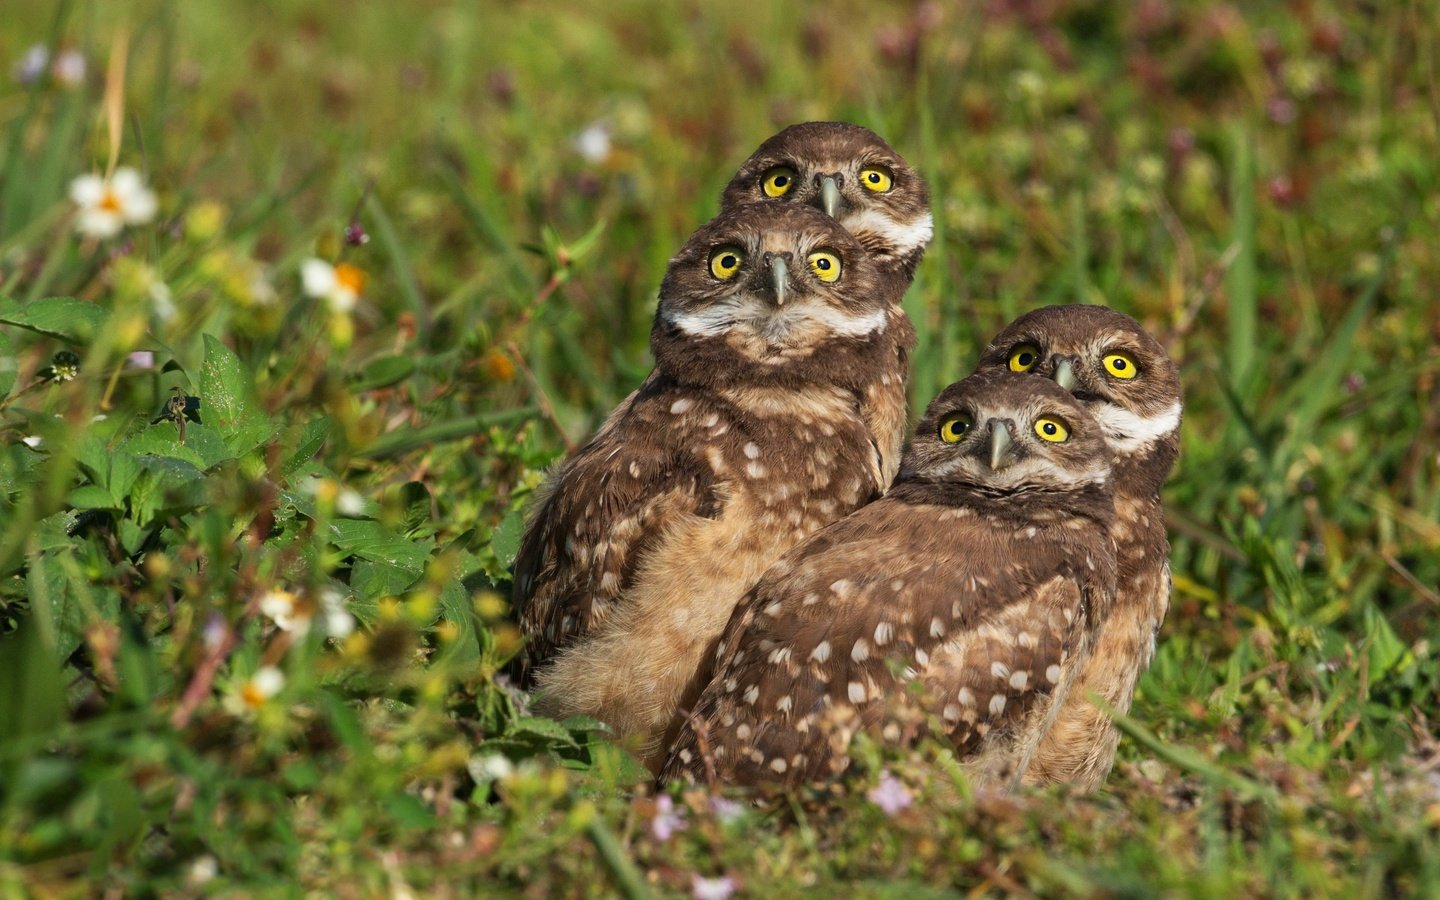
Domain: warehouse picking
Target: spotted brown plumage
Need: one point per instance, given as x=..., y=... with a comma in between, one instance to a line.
x=966, y=596
x=854, y=175
x=744, y=440
x=1128, y=382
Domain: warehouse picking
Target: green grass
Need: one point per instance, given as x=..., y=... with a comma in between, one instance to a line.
x=1257, y=184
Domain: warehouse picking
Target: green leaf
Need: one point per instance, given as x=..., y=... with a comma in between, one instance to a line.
x=312, y=438
x=383, y=372
x=165, y=485
x=372, y=580
x=550, y=732
x=92, y=496
x=70, y=319
x=373, y=541
x=227, y=400
x=505, y=541
x=455, y=606
x=204, y=447
x=9, y=366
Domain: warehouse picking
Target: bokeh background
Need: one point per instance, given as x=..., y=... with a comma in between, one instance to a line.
x=257, y=647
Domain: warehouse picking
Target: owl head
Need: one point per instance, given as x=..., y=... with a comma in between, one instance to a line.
x=1112, y=365
x=851, y=174
x=770, y=292
x=1008, y=432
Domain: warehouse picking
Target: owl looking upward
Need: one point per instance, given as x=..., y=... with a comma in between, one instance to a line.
x=1128, y=383
x=857, y=179
x=745, y=439
x=967, y=595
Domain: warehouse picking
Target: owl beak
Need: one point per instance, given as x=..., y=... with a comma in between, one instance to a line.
x=1065, y=374
x=779, y=278
x=830, y=196
x=1001, y=446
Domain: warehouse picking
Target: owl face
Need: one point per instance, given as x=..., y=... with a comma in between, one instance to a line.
x=852, y=175
x=1121, y=373
x=772, y=283
x=1009, y=432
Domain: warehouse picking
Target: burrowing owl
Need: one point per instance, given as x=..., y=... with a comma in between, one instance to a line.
x=744, y=440
x=967, y=595
x=855, y=177
x=1128, y=383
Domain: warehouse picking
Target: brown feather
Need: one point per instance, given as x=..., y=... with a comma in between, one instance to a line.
x=959, y=597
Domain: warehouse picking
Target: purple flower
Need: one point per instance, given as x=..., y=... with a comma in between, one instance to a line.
x=32, y=64
x=668, y=819
x=711, y=888
x=141, y=359
x=726, y=811
x=890, y=795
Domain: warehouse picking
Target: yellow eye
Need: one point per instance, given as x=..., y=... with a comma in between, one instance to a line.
x=725, y=262
x=825, y=265
x=954, y=428
x=877, y=180
x=1051, y=429
x=778, y=181
x=1024, y=358
x=1121, y=365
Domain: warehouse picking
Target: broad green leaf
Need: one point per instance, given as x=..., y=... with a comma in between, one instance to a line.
x=311, y=440
x=455, y=607
x=383, y=372
x=548, y=731
x=204, y=447
x=505, y=542
x=67, y=318
x=227, y=398
x=92, y=496
x=372, y=580
x=373, y=541
x=165, y=484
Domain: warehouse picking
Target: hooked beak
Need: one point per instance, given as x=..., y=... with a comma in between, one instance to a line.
x=830, y=196
x=1065, y=374
x=779, y=278
x=1000, y=445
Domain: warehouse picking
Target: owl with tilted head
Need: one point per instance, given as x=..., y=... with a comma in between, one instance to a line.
x=1129, y=384
x=859, y=180
x=965, y=599
x=746, y=438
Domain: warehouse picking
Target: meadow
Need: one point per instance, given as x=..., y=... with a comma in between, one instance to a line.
x=273, y=405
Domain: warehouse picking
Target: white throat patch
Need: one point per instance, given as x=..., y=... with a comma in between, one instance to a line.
x=904, y=237
x=771, y=321
x=1128, y=433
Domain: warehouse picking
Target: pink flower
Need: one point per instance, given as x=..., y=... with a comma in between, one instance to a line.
x=668, y=819
x=726, y=811
x=711, y=888
x=890, y=795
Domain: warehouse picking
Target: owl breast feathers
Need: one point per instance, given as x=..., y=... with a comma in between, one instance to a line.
x=744, y=440
x=1128, y=383
x=967, y=595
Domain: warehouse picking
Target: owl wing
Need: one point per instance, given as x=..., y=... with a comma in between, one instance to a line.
x=900, y=597
x=608, y=505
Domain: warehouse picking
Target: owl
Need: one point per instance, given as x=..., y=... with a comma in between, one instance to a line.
x=1128, y=383
x=857, y=179
x=966, y=597
x=746, y=438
